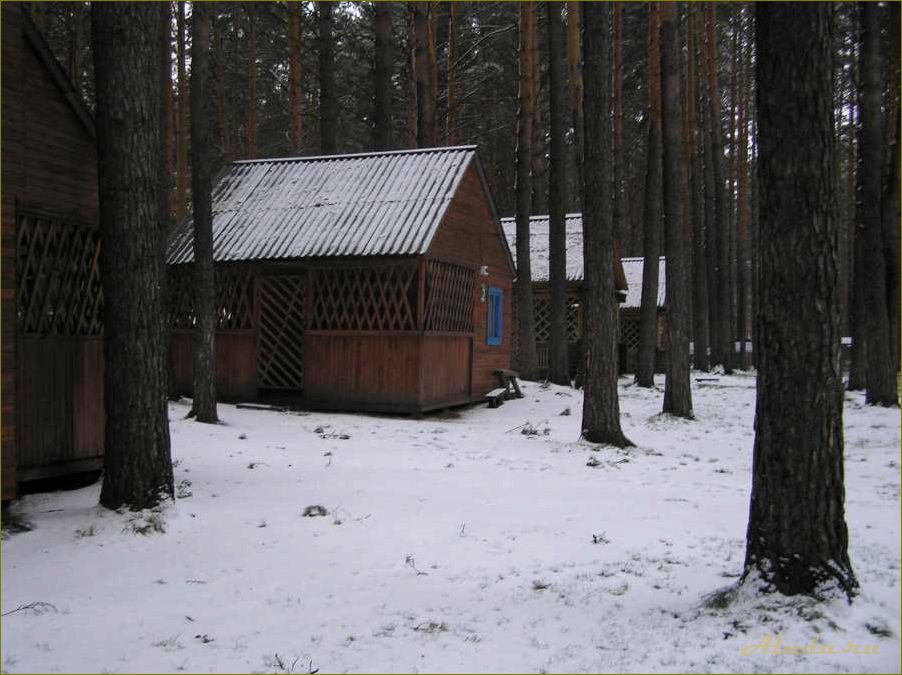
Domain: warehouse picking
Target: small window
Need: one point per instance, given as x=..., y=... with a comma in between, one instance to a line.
x=495, y=318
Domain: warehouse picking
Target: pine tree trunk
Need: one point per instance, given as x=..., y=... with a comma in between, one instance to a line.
x=422, y=70
x=723, y=288
x=226, y=142
x=539, y=172
x=75, y=39
x=166, y=116
x=137, y=463
x=797, y=539
x=711, y=227
x=451, y=129
x=601, y=406
x=250, y=119
x=328, y=102
x=617, y=203
x=857, y=316
x=204, y=407
x=890, y=216
x=410, y=79
x=526, y=358
x=744, y=210
x=558, y=368
x=295, y=131
x=181, y=169
x=382, y=128
x=677, y=392
x=881, y=375
x=651, y=245
x=574, y=68
x=700, y=302
x=432, y=61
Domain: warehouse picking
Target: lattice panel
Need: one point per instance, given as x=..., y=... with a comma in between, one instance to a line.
x=234, y=297
x=449, y=297
x=542, y=305
x=629, y=333
x=365, y=298
x=281, y=341
x=58, y=278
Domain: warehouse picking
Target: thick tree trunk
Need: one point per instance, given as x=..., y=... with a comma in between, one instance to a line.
x=700, y=302
x=181, y=168
x=451, y=130
x=723, y=287
x=250, y=119
x=422, y=77
x=744, y=209
x=223, y=114
x=881, y=375
x=617, y=202
x=558, y=368
x=526, y=359
x=797, y=539
x=137, y=463
x=295, y=131
x=890, y=217
x=204, y=408
x=677, y=392
x=601, y=407
x=651, y=245
x=166, y=116
x=328, y=101
x=382, y=128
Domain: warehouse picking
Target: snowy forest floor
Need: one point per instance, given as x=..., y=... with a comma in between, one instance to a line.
x=452, y=543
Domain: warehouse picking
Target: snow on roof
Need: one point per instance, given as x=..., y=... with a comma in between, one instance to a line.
x=373, y=204
x=538, y=245
x=632, y=268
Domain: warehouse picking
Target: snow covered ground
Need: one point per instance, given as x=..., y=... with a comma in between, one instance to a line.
x=452, y=543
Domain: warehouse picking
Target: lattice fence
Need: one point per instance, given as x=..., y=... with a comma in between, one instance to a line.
x=58, y=278
x=365, y=298
x=234, y=297
x=629, y=332
x=281, y=341
x=449, y=297
x=542, y=304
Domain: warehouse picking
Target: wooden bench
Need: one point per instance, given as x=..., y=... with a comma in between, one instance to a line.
x=508, y=381
x=496, y=397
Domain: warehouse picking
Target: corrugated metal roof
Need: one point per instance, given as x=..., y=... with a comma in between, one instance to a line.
x=375, y=204
x=538, y=248
x=632, y=268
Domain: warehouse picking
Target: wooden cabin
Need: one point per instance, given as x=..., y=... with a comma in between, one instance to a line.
x=52, y=345
x=626, y=282
x=376, y=281
x=629, y=314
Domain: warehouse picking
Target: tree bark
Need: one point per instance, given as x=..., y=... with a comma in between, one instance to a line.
x=700, y=301
x=539, y=171
x=601, y=406
x=574, y=67
x=881, y=375
x=677, y=392
x=328, y=102
x=558, y=368
x=250, y=120
x=411, y=78
x=422, y=71
x=226, y=142
x=181, y=169
x=295, y=130
x=744, y=208
x=797, y=539
x=166, y=116
x=617, y=203
x=527, y=360
x=137, y=463
x=451, y=129
x=204, y=406
x=890, y=216
x=723, y=286
x=651, y=245
x=382, y=128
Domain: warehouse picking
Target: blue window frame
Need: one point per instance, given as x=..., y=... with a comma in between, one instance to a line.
x=495, y=318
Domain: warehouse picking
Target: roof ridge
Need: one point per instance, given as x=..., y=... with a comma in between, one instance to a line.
x=353, y=155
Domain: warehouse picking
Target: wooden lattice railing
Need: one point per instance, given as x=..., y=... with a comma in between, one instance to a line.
x=378, y=298
x=449, y=297
x=58, y=289
x=234, y=297
x=629, y=332
x=281, y=339
x=542, y=305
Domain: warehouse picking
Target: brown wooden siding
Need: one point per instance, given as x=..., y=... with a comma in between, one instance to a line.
x=48, y=165
x=236, y=365
x=469, y=236
x=445, y=369
x=362, y=371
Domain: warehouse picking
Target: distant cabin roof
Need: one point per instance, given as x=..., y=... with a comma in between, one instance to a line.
x=372, y=204
x=538, y=247
x=632, y=268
